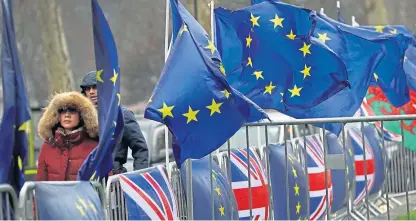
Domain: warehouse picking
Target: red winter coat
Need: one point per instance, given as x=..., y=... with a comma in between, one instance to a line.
x=62, y=156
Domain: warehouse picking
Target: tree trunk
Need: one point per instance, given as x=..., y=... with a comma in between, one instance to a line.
x=376, y=12
x=203, y=13
x=55, y=52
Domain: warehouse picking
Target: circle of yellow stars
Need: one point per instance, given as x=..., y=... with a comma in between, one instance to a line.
x=278, y=22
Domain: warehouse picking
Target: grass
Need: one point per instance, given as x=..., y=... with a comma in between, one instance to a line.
x=404, y=217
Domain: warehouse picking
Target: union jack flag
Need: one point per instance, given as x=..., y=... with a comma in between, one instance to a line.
x=149, y=195
x=316, y=174
x=259, y=185
x=356, y=141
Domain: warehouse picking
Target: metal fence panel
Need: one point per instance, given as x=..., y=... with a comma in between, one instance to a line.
x=399, y=172
x=8, y=203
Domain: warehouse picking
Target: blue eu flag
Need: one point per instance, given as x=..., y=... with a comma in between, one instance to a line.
x=70, y=201
x=409, y=62
x=193, y=97
x=253, y=2
x=16, y=113
x=389, y=74
x=295, y=188
x=100, y=162
x=361, y=57
x=225, y=204
x=276, y=62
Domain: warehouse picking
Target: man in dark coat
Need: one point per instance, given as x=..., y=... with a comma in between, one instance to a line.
x=132, y=136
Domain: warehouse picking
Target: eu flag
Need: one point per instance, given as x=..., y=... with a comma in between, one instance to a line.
x=193, y=97
x=16, y=112
x=361, y=57
x=389, y=74
x=225, y=204
x=253, y=2
x=409, y=62
x=409, y=65
x=70, y=201
x=277, y=63
x=110, y=116
x=294, y=190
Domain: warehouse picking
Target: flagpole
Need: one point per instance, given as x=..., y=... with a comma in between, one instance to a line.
x=353, y=22
x=166, y=57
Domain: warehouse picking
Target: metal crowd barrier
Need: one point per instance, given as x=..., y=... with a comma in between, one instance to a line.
x=175, y=178
x=27, y=201
x=8, y=202
x=399, y=177
x=398, y=184
x=116, y=205
x=116, y=202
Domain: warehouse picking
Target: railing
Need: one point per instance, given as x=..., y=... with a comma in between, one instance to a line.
x=357, y=175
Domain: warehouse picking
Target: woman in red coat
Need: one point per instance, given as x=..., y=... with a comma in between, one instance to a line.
x=69, y=127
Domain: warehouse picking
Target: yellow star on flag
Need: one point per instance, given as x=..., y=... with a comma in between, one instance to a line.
x=166, y=110
x=214, y=107
x=80, y=200
x=218, y=190
x=277, y=21
x=249, y=62
x=25, y=126
x=254, y=20
x=214, y=177
x=222, y=69
x=119, y=99
x=291, y=36
x=98, y=76
x=150, y=99
x=258, y=74
x=92, y=207
x=183, y=29
x=305, y=49
x=269, y=88
x=222, y=210
x=295, y=174
x=248, y=41
x=296, y=187
x=80, y=209
x=323, y=37
x=375, y=76
x=298, y=206
x=306, y=71
x=226, y=93
x=394, y=31
x=211, y=46
x=295, y=91
x=114, y=78
x=379, y=28
x=191, y=115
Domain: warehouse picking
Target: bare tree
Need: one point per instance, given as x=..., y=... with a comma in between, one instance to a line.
x=376, y=12
x=203, y=13
x=55, y=52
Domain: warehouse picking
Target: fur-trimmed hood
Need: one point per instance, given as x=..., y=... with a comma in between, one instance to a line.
x=50, y=118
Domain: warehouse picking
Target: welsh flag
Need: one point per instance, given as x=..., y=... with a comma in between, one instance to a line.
x=376, y=104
